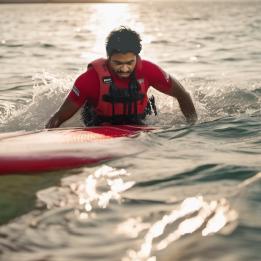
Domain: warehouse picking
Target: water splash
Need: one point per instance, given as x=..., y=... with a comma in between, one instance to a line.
x=213, y=99
x=48, y=93
x=216, y=99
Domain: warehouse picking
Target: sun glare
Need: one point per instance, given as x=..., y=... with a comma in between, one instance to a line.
x=106, y=17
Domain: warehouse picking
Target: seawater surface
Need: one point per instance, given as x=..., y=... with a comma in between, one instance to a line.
x=189, y=192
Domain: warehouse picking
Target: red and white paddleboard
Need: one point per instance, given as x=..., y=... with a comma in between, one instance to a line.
x=46, y=150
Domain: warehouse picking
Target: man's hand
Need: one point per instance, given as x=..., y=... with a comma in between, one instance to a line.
x=54, y=122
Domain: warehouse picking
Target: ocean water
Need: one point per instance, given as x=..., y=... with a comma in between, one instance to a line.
x=191, y=192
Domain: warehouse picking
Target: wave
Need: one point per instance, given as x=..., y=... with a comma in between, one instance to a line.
x=46, y=96
x=219, y=99
x=203, y=173
x=213, y=100
x=161, y=42
x=47, y=45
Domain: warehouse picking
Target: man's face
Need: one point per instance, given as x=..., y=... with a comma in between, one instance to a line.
x=123, y=64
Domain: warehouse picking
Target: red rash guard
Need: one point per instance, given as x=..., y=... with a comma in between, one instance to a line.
x=87, y=85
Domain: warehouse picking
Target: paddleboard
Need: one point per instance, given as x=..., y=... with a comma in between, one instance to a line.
x=55, y=149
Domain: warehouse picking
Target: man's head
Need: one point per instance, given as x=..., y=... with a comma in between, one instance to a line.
x=123, y=46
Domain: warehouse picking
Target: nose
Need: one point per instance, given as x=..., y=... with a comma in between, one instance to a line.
x=125, y=68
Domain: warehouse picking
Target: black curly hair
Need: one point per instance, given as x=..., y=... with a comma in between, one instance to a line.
x=123, y=40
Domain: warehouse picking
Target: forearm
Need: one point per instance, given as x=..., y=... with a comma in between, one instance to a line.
x=185, y=102
x=187, y=108
x=65, y=112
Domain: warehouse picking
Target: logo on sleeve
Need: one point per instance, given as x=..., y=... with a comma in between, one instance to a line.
x=76, y=91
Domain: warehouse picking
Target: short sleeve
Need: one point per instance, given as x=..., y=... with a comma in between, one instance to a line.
x=85, y=88
x=156, y=76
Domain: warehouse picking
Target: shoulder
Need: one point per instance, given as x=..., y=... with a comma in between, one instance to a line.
x=146, y=64
x=89, y=73
x=153, y=70
x=90, y=76
x=86, y=87
x=156, y=76
x=149, y=68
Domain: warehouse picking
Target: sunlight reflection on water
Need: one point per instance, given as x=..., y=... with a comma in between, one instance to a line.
x=99, y=188
x=211, y=217
x=108, y=17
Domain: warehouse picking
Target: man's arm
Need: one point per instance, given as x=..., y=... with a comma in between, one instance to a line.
x=184, y=100
x=66, y=111
x=163, y=82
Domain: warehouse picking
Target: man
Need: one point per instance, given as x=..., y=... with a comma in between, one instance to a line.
x=114, y=90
